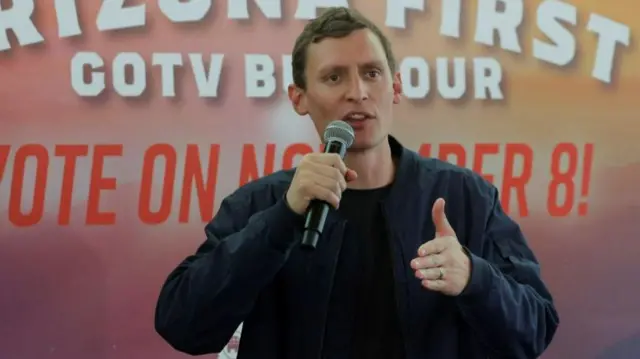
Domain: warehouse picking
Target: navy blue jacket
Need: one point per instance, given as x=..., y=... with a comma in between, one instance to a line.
x=251, y=269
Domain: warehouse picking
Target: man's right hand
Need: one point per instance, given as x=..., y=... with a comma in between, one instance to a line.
x=321, y=176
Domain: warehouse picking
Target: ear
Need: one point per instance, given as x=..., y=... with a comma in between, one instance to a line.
x=397, y=88
x=298, y=99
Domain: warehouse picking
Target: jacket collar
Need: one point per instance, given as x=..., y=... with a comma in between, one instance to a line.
x=407, y=178
x=406, y=184
x=403, y=205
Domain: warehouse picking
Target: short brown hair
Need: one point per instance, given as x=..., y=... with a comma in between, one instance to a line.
x=335, y=22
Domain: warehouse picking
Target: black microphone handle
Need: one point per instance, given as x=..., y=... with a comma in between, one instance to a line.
x=316, y=217
x=319, y=210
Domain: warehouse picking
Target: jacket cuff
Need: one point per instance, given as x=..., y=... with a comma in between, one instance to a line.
x=480, y=277
x=284, y=224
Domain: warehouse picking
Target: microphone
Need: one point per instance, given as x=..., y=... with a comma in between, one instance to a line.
x=338, y=137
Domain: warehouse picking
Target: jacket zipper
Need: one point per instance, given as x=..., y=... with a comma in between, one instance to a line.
x=392, y=238
x=343, y=227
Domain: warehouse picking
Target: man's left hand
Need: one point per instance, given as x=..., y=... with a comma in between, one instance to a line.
x=442, y=265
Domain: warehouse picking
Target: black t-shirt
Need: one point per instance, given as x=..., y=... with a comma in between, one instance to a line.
x=375, y=332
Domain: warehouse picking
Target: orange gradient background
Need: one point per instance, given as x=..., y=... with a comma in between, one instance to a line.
x=78, y=291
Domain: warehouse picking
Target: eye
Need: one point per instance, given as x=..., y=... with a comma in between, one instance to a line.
x=333, y=78
x=373, y=73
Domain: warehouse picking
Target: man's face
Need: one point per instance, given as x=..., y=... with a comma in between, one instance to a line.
x=349, y=79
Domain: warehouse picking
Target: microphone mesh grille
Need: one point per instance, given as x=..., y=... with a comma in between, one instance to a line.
x=339, y=131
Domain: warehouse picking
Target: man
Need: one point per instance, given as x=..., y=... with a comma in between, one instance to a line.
x=395, y=275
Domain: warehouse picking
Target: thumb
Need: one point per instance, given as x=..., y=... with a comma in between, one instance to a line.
x=351, y=175
x=443, y=228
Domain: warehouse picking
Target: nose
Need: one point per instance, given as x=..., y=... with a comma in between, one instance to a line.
x=357, y=91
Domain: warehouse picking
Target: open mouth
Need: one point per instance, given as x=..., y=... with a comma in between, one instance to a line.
x=357, y=116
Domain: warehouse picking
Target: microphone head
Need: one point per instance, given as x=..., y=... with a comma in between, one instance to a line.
x=339, y=131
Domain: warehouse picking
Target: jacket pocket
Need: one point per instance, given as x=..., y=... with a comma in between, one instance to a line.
x=514, y=262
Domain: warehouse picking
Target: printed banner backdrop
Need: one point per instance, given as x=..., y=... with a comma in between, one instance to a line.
x=125, y=123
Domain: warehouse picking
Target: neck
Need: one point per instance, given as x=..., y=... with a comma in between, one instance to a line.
x=375, y=166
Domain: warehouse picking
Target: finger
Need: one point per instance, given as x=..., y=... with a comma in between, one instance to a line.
x=325, y=175
x=333, y=160
x=312, y=160
x=443, y=228
x=435, y=285
x=351, y=175
x=431, y=274
x=431, y=261
x=322, y=193
x=336, y=175
x=434, y=246
x=336, y=185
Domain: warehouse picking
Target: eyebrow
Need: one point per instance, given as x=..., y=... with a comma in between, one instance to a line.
x=366, y=65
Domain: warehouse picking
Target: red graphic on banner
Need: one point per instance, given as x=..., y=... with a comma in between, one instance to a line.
x=567, y=193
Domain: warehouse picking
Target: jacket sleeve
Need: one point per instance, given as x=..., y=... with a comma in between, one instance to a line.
x=506, y=303
x=204, y=299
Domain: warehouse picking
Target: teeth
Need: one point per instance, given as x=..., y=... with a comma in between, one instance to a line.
x=357, y=117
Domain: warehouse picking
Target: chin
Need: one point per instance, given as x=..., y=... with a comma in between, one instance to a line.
x=367, y=144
